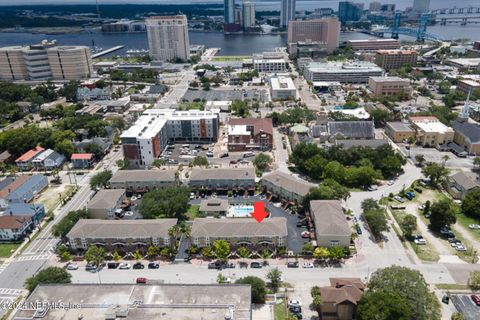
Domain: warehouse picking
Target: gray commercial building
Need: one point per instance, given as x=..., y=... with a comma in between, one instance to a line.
x=286, y=186
x=223, y=179
x=105, y=202
x=331, y=226
x=344, y=72
x=143, y=180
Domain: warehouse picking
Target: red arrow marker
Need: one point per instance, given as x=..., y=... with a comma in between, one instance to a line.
x=259, y=212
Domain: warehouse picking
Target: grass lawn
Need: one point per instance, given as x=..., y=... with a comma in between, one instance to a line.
x=230, y=58
x=464, y=221
x=280, y=312
x=6, y=248
x=449, y=286
x=193, y=212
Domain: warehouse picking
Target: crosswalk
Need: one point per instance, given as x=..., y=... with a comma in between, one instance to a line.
x=43, y=253
x=4, y=266
x=44, y=256
x=8, y=296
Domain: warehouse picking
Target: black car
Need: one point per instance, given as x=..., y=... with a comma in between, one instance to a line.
x=153, y=265
x=213, y=265
x=256, y=265
x=293, y=264
x=113, y=265
x=138, y=265
x=243, y=265
x=224, y=155
x=295, y=309
x=419, y=190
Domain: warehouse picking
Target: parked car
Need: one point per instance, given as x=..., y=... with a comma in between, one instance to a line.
x=421, y=207
x=372, y=188
x=243, y=265
x=410, y=195
x=418, y=239
x=474, y=226
x=294, y=303
x=90, y=267
x=224, y=155
x=305, y=234
x=256, y=265
x=124, y=266
x=141, y=280
x=113, y=265
x=475, y=299
x=419, y=190
x=460, y=247
x=308, y=265
x=292, y=264
x=399, y=199
x=213, y=265
x=233, y=162
x=138, y=265
x=209, y=154
x=71, y=266
x=153, y=265
x=359, y=230
x=455, y=242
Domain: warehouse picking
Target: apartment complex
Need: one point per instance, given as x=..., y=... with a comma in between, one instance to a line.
x=287, y=12
x=144, y=141
x=399, y=131
x=121, y=235
x=168, y=37
x=143, y=180
x=45, y=61
x=222, y=179
x=325, y=31
x=344, y=72
x=105, y=203
x=331, y=227
x=250, y=134
x=285, y=186
x=468, y=86
x=394, y=59
x=389, y=86
x=229, y=11
x=282, y=88
x=430, y=132
x=271, y=233
x=269, y=62
x=374, y=44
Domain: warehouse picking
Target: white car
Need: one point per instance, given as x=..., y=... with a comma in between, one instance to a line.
x=128, y=213
x=294, y=303
x=72, y=266
x=460, y=247
x=373, y=187
x=305, y=234
x=192, y=195
x=421, y=207
x=308, y=265
x=124, y=266
x=420, y=241
x=474, y=226
x=390, y=182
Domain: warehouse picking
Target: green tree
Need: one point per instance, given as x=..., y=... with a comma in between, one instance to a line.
x=435, y=172
x=137, y=256
x=336, y=253
x=165, y=203
x=476, y=161
x=383, y=306
x=458, y=316
x=207, y=252
x=116, y=256
x=66, y=224
x=307, y=248
x=262, y=161
x=243, y=252
x=320, y=253
x=49, y=275
x=420, y=158
x=221, y=278
x=377, y=221
x=408, y=223
x=474, y=280
x=275, y=278
x=222, y=249
x=471, y=204
x=166, y=252
x=199, y=161
x=240, y=108
x=317, y=300
x=410, y=286
x=335, y=171
x=327, y=190
x=159, y=163
x=95, y=255
x=100, y=180
x=443, y=213
x=258, y=288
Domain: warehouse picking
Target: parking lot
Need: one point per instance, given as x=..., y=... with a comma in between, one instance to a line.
x=434, y=155
x=465, y=305
x=229, y=94
x=181, y=154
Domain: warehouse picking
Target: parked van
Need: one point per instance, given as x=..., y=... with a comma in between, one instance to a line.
x=249, y=154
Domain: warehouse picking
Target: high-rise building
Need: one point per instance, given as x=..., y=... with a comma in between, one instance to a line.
x=168, y=37
x=389, y=7
x=229, y=11
x=248, y=14
x=349, y=11
x=421, y=5
x=394, y=59
x=287, y=12
x=238, y=15
x=45, y=61
x=375, y=6
x=326, y=31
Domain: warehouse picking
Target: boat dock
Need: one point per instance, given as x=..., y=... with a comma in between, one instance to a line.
x=104, y=52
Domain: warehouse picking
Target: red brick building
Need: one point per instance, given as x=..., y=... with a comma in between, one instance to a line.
x=250, y=134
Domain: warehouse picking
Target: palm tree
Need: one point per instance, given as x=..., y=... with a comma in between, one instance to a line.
x=265, y=255
x=116, y=256
x=243, y=252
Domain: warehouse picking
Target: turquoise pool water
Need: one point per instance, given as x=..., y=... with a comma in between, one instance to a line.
x=240, y=211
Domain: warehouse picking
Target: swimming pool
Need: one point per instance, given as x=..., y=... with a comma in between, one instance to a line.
x=239, y=211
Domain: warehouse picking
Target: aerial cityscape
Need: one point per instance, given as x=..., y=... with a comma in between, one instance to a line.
x=240, y=160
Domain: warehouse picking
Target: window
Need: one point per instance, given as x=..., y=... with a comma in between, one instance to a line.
x=333, y=243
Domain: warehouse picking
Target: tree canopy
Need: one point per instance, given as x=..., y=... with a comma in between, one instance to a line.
x=443, y=213
x=375, y=217
x=165, y=203
x=383, y=306
x=409, y=286
x=100, y=180
x=435, y=172
x=258, y=288
x=48, y=275
x=68, y=221
x=262, y=161
x=471, y=204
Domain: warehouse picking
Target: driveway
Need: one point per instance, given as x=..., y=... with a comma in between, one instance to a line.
x=465, y=305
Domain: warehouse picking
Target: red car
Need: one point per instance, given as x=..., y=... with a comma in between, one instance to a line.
x=475, y=299
x=142, y=280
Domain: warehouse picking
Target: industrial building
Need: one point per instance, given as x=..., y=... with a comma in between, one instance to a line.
x=344, y=72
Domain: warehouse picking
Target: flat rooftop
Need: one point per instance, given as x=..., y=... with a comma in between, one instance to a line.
x=373, y=40
x=282, y=83
x=343, y=67
x=145, y=302
x=432, y=126
x=390, y=79
x=146, y=127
